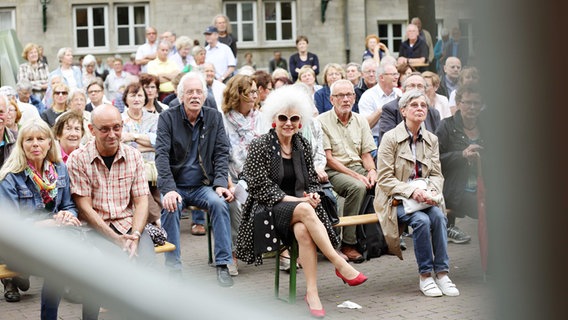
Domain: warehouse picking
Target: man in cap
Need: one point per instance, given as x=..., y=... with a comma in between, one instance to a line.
x=219, y=54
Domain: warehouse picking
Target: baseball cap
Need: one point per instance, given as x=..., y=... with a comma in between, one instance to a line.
x=210, y=30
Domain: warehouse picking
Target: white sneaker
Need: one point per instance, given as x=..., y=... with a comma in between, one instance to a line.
x=447, y=286
x=429, y=287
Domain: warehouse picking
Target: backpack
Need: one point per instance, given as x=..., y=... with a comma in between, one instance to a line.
x=370, y=238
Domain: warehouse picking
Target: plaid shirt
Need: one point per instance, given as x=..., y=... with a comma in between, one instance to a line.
x=111, y=190
x=37, y=76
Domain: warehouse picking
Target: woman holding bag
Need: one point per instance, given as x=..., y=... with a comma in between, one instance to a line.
x=283, y=201
x=406, y=153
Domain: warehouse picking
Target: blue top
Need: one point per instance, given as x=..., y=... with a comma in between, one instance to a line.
x=321, y=99
x=18, y=191
x=296, y=62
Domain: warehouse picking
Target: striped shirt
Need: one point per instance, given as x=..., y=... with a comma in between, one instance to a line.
x=111, y=190
x=37, y=75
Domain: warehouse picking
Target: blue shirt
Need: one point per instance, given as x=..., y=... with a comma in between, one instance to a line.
x=191, y=174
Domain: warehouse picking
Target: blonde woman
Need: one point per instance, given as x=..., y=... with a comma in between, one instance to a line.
x=34, y=70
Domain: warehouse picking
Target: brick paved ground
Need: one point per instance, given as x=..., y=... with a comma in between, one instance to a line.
x=390, y=293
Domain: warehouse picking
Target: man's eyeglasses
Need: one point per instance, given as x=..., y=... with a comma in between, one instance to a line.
x=284, y=118
x=64, y=93
x=344, y=95
x=105, y=129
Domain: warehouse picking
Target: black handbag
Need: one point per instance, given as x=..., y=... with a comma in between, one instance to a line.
x=330, y=207
x=370, y=237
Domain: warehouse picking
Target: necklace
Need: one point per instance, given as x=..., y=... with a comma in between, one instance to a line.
x=133, y=118
x=289, y=153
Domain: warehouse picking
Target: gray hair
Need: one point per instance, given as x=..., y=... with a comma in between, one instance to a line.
x=287, y=98
x=196, y=50
x=61, y=53
x=411, y=95
x=184, y=42
x=24, y=84
x=417, y=74
x=75, y=92
x=382, y=66
x=353, y=64
x=5, y=98
x=166, y=42
x=191, y=75
x=368, y=62
x=333, y=85
x=88, y=59
x=8, y=91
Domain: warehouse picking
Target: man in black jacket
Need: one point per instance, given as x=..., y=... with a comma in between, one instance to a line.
x=391, y=116
x=192, y=156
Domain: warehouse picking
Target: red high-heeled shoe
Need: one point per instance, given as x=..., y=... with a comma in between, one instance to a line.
x=315, y=313
x=360, y=278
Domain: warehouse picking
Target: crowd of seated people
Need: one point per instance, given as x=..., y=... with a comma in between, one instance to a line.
x=196, y=131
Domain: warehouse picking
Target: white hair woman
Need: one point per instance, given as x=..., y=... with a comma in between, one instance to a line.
x=283, y=201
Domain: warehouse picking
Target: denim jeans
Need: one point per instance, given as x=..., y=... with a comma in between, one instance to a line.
x=51, y=294
x=204, y=197
x=198, y=217
x=430, y=238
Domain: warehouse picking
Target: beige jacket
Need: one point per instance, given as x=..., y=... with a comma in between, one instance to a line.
x=395, y=164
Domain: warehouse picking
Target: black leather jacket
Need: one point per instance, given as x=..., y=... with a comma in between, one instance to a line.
x=173, y=141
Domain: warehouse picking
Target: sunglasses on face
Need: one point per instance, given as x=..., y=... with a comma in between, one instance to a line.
x=60, y=93
x=284, y=118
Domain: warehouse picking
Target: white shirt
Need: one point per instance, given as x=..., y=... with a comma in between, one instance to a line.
x=374, y=99
x=221, y=57
x=217, y=87
x=144, y=50
x=441, y=104
x=29, y=112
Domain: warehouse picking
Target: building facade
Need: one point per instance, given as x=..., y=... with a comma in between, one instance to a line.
x=117, y=27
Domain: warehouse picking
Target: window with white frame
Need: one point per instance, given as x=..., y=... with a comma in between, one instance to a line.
x=7, y=18
x=243, y=20
x=467, y=32
x=392, y=34
x=90, y=26
x=131, y=22
x=277, y=18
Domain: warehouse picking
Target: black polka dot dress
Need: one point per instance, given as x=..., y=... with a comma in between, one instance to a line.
x=266, y=219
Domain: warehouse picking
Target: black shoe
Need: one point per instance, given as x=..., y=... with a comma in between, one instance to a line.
x=22, y=283
x=223, y=276
x=11, y=293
